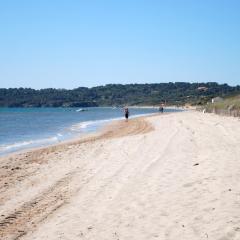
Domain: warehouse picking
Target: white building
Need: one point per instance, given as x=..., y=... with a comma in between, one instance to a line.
x=217, y=99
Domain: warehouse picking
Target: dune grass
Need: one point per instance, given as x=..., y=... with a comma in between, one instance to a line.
x=229, y=106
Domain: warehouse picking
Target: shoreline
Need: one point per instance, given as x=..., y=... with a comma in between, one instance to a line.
x=93, y=126
x=101, y=132
x=76, y=137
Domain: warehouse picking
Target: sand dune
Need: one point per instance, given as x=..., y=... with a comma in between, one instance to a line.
x=173, y=176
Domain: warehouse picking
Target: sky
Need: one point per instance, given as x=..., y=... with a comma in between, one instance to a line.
x=73, y=43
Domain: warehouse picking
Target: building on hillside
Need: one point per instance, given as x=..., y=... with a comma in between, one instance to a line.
x=202, y=89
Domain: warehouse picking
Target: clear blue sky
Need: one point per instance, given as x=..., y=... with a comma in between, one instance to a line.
x=71, y=43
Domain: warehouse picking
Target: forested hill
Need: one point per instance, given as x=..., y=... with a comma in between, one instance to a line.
x=116, y=95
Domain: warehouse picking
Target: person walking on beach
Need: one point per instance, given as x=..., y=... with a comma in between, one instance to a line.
x=161, y=109
x=126, y=112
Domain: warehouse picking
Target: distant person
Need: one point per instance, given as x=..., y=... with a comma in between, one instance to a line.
x=126, y=113
x=161, y=109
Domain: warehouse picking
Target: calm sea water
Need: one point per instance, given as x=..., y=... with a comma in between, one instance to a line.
x=22, y=128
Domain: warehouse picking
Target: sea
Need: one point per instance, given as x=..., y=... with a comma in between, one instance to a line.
x=25, y=128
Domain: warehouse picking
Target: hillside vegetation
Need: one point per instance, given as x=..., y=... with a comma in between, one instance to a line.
x=178, y=93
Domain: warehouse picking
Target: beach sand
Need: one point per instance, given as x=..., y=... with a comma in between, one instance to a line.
x=172, y=176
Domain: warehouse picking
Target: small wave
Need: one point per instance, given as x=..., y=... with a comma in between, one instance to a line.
x=91, y=124
x=81, y=110
x=24, y=144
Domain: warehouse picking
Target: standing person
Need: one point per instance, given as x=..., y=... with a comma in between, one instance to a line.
x=126, y=112
x=162, y=108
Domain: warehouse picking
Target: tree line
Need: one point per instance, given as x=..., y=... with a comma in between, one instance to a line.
x=177, y=93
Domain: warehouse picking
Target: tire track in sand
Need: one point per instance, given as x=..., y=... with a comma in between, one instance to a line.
x=27, y=217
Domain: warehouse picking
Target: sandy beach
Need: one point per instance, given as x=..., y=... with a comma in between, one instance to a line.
x=172, y=176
